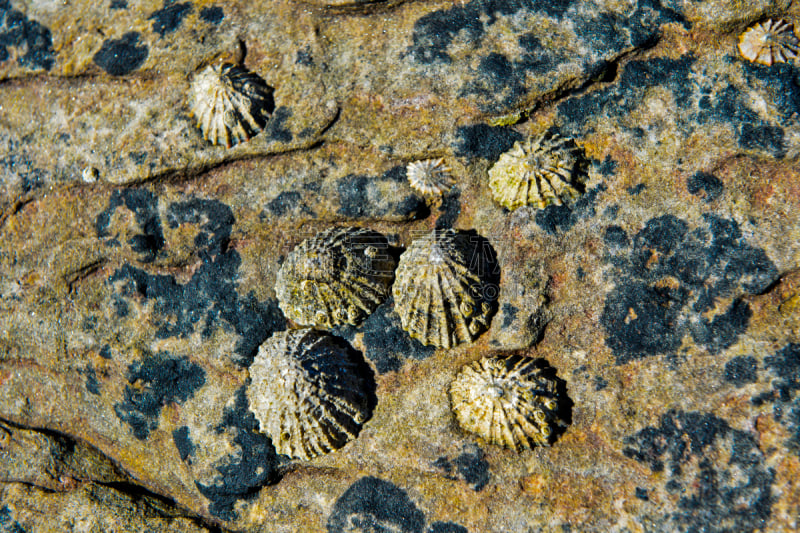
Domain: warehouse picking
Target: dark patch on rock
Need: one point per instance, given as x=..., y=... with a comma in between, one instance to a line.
x=360, y=197
x=741, y=370
x=105, y=352
x=118, y=4
x=471, y=466
x=121, y=307
x=212, y=14
x=636, y=189
x=211, y=293
x=785, y=366
x=168, y=18
x=608, y=167
x=762, y=137
x=183, y=443
x=144, y=206
x=33, y=41
x=615, y=236
x=449, y=210
x=304, y=58
x=289, y=201
x=276, y=126
x=779, y=81
x=153, y=383
x=509, y=314
x=644, y=316
x=641, y=493
x=446, y=527
x=707, y=186
x=487, y=142
x=138, y=157
x=735, y=495
x=556, y=218
x=600, y=383
x=242, y=473
x=121, y=56
x=386, y=344
x=7, y=523
x=372, y=504
x=92, y=385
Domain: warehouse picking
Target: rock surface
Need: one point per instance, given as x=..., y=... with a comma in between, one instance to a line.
x=137, y=262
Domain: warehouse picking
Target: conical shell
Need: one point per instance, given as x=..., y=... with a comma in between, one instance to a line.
x=548, y=169
x=310, y=392
x=508, y=400
x=231, y=104
x=430, y=177
x=337, y=277
x=769, y=42
x=443, y=292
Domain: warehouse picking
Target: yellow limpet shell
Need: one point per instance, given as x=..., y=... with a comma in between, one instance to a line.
x=441, y=293
x=230, y=103
x=772, y=41
x=337, y=277
x=512, y=401
x=310, y=392
x=431, y=177
x=548, y=169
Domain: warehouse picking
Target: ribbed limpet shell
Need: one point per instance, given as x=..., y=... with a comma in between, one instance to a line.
x=769, y=42
x=444, y=291
x=310, y=391
x=430, y=177
x=548, y=169
x=513, y=401
x=230, y=103
x=337, y=277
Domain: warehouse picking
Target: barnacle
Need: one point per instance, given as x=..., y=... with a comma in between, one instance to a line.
x=231, y=103
x=430, y=177
x=310, y=391
x=513, y=401
x=337, y=277
x=769, y=42
x=444, y=293
x=545, y=170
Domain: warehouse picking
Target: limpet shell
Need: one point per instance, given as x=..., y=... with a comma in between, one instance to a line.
x=230, y=103
x=310, y=391
x=513, y=401
x=548, y=169
x=772, y=41
x=337, y=277
x=430, y=177
x=444, y=292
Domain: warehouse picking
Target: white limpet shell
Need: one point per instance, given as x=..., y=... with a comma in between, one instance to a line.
x=548, y=169
x=310, y=392
x=337, y=277
x=772, y=41
x=512, y=401
x=430, y=177
x=441, y=292
x=230, y=103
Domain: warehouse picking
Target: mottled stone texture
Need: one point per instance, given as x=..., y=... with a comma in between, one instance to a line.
x=137, y=262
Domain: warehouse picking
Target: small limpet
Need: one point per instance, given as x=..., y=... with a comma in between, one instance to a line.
x=310, y=391
x=513, y=401
x=337, y=277
x=230, y=103
x=430, y=177
x=769, y=42
x=548, y=169
x=443, y=292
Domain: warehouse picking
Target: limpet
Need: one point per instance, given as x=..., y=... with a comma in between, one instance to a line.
x=513, y=401
x=230, y=103
x=443, y=292
x=337, y=277
x=430, y=177
x=310, y=391
x=772, y=41
x=548, y=169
